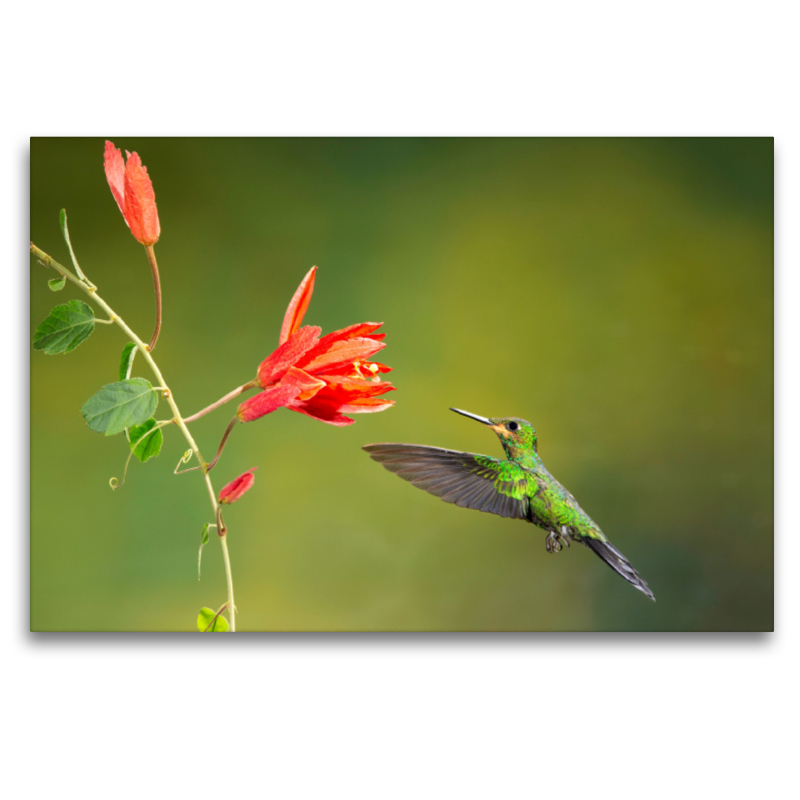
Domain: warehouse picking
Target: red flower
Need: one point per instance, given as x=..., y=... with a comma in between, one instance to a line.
x=130, y=184
x=237, y=487
x=320, y=377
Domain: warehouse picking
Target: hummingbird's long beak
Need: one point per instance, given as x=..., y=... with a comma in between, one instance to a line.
x=472, y=416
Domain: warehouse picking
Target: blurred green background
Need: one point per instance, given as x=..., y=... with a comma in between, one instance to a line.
x=618, y=293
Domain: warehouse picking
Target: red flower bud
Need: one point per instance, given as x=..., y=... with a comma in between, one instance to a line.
x=132, y=189
x=237, y=487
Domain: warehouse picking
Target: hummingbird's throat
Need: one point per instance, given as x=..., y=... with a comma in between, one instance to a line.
x=502, y=431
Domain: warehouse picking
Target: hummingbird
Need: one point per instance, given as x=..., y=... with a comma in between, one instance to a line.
x=518, y=487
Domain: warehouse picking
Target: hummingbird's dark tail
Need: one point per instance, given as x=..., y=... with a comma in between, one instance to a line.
x=618, y=563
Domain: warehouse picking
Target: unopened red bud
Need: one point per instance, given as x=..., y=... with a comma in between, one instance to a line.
x=237, y=487
x=133, y=190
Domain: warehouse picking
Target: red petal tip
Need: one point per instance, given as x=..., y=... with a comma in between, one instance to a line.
x=115, y=174
x=297, y=306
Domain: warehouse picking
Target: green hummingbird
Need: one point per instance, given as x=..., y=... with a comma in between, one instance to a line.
x=519, y=487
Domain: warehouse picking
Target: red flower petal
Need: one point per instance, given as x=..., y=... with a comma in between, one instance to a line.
x=274, y=366
x=338, y=354
x=362, y=329
x=298, y=305
x=366, y=405
x=237, y=487
x=345, y=389
x=140, y=202
x=320, y=411
x=302, y=381
x=115, y=174
x=266, y=402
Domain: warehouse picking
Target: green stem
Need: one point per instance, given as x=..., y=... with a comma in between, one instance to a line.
x=223, y=540
x=151, y=257
x=222, y=443
x=91, y=290
x=235, y=393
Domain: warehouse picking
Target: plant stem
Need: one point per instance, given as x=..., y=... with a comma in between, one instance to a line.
x=222, y=443
x=151, y=257
x=235, y=393
x=223, y=540
x=91, y=290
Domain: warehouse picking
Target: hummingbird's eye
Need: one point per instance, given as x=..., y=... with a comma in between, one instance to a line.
x=512, y=426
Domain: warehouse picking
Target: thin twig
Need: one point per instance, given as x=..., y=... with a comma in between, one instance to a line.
x=235, y=393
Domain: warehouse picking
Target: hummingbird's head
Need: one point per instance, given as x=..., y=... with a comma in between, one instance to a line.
x=517, y=436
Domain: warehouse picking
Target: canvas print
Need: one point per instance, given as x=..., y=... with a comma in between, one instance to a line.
x=401, y=384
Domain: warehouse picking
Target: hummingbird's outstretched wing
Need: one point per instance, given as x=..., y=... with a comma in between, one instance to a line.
x=466, y=479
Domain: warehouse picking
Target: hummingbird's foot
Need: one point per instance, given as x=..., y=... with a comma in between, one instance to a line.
x=555, y=541
x=565, y=534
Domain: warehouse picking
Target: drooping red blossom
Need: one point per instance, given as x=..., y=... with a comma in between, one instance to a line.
x=237, y=487
x=323, y=378
x=132, y=189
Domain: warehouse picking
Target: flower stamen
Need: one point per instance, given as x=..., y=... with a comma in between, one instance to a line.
x=358, y=366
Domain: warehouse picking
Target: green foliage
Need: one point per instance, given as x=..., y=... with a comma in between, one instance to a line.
x=203, y=543
x=126, y=362
x=120, y=405
x=57, y=284
x=146, y=445
x=66, y=327
x=220, y=624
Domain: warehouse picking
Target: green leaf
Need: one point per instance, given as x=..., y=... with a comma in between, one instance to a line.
x=57, y=284
x=65, y=328
x=146, y=445
x=120, y=405
x=204, y=620
x=203, y=543
x=126, y=363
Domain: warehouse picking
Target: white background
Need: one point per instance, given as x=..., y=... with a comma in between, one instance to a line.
x=655, y=716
